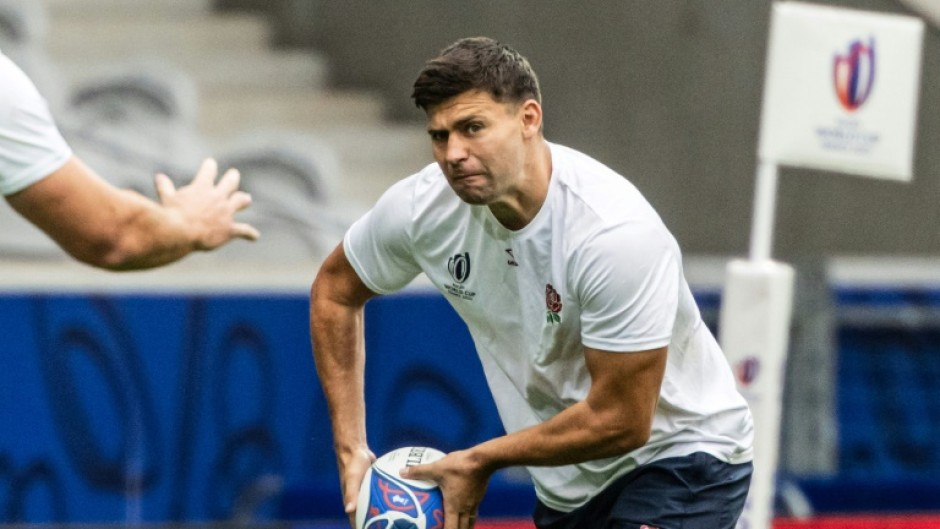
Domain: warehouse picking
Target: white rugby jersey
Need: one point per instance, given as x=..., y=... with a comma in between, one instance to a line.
x=31, y=146
x=595, y=267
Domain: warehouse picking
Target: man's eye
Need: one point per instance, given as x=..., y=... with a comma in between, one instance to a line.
x=438, y=136
x=474, y=128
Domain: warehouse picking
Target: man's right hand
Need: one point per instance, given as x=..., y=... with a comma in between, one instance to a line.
x=352, y=469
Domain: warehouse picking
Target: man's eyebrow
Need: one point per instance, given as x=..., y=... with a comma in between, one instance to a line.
x=460, y=123
x=464, y=121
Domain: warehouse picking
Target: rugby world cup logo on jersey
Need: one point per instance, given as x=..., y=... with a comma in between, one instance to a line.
x=853, y=74
x=458, y=267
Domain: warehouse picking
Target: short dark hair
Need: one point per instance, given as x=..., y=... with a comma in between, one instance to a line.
x=476, y=63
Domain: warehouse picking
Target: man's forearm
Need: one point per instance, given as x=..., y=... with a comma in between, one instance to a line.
x=149, y=236
x=337, y=301
x=337, y=334
x=119, y=229
x=575, y=435
x=614, y=418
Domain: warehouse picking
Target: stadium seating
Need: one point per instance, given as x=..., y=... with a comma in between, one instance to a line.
x=139, y=87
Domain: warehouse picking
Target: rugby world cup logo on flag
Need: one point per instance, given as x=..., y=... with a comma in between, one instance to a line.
x=854, y=74
x=746, y=370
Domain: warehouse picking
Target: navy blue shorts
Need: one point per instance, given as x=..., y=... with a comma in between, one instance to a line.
x=696, y=491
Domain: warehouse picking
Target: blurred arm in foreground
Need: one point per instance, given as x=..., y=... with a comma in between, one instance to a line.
x=92, y=220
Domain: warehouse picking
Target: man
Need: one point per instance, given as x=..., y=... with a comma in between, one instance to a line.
x=610, y=388
x=92, y=220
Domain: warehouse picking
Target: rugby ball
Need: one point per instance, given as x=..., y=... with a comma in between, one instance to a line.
x=388, y=501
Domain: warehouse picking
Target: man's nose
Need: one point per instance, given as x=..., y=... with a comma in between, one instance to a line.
x=456, y=150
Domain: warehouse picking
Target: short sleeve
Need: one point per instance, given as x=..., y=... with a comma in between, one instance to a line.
x=379, y=245
x=627, y=278
x=31, y=146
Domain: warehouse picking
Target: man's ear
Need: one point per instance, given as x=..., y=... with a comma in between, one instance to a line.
x=531, y=113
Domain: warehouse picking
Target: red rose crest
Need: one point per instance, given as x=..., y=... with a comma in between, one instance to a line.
x=553, y=304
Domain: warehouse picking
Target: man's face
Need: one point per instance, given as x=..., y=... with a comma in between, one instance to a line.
x=478, y=143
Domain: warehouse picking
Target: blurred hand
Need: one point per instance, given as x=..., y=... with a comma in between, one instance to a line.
x=208, y=208
x=463, y=483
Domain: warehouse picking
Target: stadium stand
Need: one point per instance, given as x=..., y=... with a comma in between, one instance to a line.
x=145, y=86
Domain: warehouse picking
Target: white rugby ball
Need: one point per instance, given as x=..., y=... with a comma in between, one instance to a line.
x=388, y=501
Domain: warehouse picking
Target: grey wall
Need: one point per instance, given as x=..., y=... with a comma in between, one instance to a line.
x=667, y=92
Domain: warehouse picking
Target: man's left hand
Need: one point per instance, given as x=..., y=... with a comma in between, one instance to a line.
x=463, y=483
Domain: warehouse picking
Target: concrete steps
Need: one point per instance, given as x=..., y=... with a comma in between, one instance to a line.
x=373, y=157
x=154, y=8
x=225, y=72
x=228, y=113
x=119, y=37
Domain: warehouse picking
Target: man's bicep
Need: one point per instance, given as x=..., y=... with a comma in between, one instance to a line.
x=338, y=282
x=626, y=384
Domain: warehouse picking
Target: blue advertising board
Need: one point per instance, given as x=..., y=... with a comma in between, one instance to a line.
x=152, y=407
x=198, y=406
